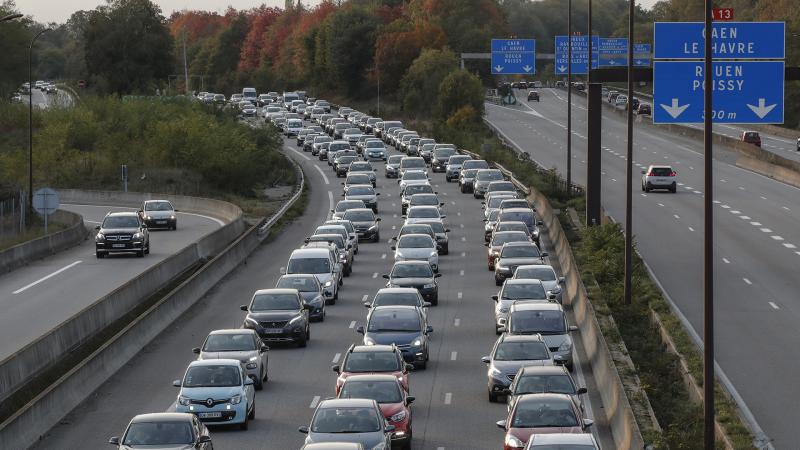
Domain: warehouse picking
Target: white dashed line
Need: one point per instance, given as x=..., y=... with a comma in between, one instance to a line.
x=691, y=229
x=725, y=260
x=448, y=398
x=745, y=217
x=460, y=294
x=755, y=224
x=461, y=225
x=774, y=306
x=364, y=298
x=453, y=356
x=314, y=402
x=763, y=198
x=777, y=238
x=747, y=281
x=785, y=208
x=336, y=358
x=383, y=256
x=463, y=254
x=765, y=230
x=677, y=216
x=660, y=204
x=352, y=324
x=463, y=239
x=788, y=245
x=394, y=227
x=456, y=322
x=375, y=275
x=461, y=273
x=726, y=206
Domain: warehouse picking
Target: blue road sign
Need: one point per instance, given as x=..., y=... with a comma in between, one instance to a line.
x=641, y=55
x=513, y=56
x=580, y=54
x=613, y=52
x=744, y=92
x=730, y=40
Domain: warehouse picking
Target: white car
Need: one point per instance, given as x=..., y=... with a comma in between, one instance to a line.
x=416, y=214
x=293, y=126
x=659, y=177
x=417, y=247
x=412, y=177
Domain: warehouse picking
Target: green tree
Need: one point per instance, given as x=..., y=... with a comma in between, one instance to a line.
x=351, y=46
x=420, y=86
x=460, y=89
x=128, y=46
x=14, y=50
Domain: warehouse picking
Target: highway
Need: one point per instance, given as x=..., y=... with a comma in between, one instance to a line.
x=38, y=297
x=756, y=242
x=43, y=100
x=451, y=411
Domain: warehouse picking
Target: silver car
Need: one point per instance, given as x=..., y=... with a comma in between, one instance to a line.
x=392, y=169
x=343, y=205
x=515, y=291
x=310, y=291
x=659, y=177
x=417, y=247
x=453, y=168
x=482, y=179
x=509, y=354
x=548, y=319
x=241, y=344
x=159, y=214
x=364, y=192
x=544, y=273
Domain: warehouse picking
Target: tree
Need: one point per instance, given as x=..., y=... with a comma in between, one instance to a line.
x=351, y=45
x=420, y=85
x=128, y=46
x=460, y=91
x=14, y=48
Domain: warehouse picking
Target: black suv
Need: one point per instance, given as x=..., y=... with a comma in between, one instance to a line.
x=122, y=232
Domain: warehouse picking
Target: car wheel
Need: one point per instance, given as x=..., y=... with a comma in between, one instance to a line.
x=497, y=331
x=356, y=251
x=377, y=237
x=308, y=333
x=302, y=342
x=492, y=398
x=435, y=300
x=335, y=297
x=421, y=366
x=244, y=425
x=100, y=255
x=258, y=383
x=498, y=281
x=140, y=253
x=147, y=249
x=252, y=414
x=446, y=251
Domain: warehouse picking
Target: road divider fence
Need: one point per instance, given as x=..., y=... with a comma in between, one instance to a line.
x=27, y=252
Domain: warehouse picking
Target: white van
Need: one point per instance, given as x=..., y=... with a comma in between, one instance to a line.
x=250, y=94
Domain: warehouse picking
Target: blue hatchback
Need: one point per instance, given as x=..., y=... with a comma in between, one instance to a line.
x=218, y=391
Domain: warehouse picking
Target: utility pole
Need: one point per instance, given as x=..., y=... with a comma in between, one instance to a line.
x=708, y=243
x=30, y=121
x=185, y=66
x=569, y=96
x=628, y=295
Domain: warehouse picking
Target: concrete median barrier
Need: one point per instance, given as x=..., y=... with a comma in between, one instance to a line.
x=22, y=254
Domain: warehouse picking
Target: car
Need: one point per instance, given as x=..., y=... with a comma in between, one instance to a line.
x=440, y=234
x=644, y=109
x=412, y=163
x=541, y=414
x=411, y=190
x=453, y=167
x=497, y=241
x=475, y=164
x=322, y=153
x=500, y=186
x=621, y=101
x=383, y=127
x=364, y=192
x=310, y=291
x=490, y=224
x=369, y=126
x=582, y=441
x=343, y=205
x=343, y=248
x=533, y=95
x=363, y=167
x=122, y=232
x=335, y=147
x=514, y=291
x=301, y=136
x=417, y=247
x=426, y=151
x=351, y=135
x=278, y=315
x=263, y=100
x=416, y=145
x=339, y=129
x=354, y=419
x=363, y=359
x=612, y=96
x=634, y=103
x=365, y=222
x=375, y=150
x=465, y=180
x=416, y=214
x=508, y=203
x=751, y=137
x=164, y=431
x=352, y=235
x=218, y=391
x=543, y=379
x=513, y=255
x=318, y=141
x=544, y=273
x=242, y=344
x=398, y=296
x=320, y=263
x=353, y=179
x=547, y=319
x=411, y=177
x=404, y=326
x=324, y=104
x=482, y=179
x=392, y=398
x=525, y=215
x=509, y=354
x=440, y=157
x=415, y=228
x=392, y=169
x=659, y=177
x=509, y=226
x=247, y=108
x=342, y=163
x=416, y=274
x=425, y=200
x=159, y=214
x=493, y=202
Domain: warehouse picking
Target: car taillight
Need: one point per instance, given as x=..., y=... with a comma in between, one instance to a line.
x=672, y=174
x=651, y=174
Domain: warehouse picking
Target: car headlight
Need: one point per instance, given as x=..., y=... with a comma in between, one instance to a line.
x=512, y=441
x=328, y=283
x=556, y=290
x=99, y=237
x=399, y=417
x=433, y=254
x=381, y=446
x=253, y=358
x=250, y=323
x=236, y=399
x=138, y=235
x=183, y=400
x=147, y=217
x=369, y=341
x=172, y=217
x=374, y=227
x=429, y=286
x=295, y=320
x=417, y=343
x=251, y=365
x=536, y=232
x=565, y=346
x=494, y=371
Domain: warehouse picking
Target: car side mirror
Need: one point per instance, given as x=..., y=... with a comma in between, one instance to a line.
x=204, y=439
x=306, y=240
x=643, y=172
x=307, y=307
x=349, y=246
x=389, y=429
x=177, y=210
x=176, y=383
x=264, y=348
x=486, y=359
x=501, y=424
x=97, y=227
x=360, y=330
x=573, y=328
x=562, y=280
x=283, y=271
x=248, y=381
x=495, y=297
x=485, y=244
x=386, y=276
x=243, y=307
x=582, y=390
x=342, y=184
x=426, y=304
x=333, y=211
x=441, y=204
x=367, y=305
x=394, y=247
x=428, y=329
x=545, y=254
x=443, y=216
x=144, y=225
x=114, y=440
x=410, y=399
x=539, y=223
x=378, y=219
x=377, y=193
x=587, y=423
x=447, y=230
x=303, y=429
x=336, y=368
x=437, y=275
x=196, y=350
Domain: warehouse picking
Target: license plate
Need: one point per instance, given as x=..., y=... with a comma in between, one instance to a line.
x=117, y=245
x=161, y=222
x=273, y=331
x=209, y=415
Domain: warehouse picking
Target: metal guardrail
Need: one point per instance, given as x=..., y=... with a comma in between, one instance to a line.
x=263, y=230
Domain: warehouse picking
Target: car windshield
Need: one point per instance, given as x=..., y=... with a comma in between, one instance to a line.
x=376, y=144
x=521, y=351
x=417, y=189
x=229, y=343
x=159, y=433
x=661, y=171
x=535, y=384
x=359, y=362
x=437, y=227
x=458, y=159
x=425, y=213
x=337, y=146
x=425, y=200
x=514, y=203
x=526, y=216
x=359, y=216
x=520, y=251
x=396, y=298
x=414, y=175
x=158, y=206
x=444, y=153
x=394, y=159
x=302, y=284
x=469, y=173
x=332, y=229
x=121, y=222
x=488, y=175
x=295, y=123
x=336, y=240
x=360, y=190
x=345, y=420
x=493, y=215
x=360, y=167
x=415, y=229
x=357, y=179
x=212, y=376
x=502, y=186
x=344, y=160
x=517, y=291
x=412, y=163
x=494, y=202
x=394, y=320
x=536, y=413
x=412, y=271
x=511, y=226
x=544, y=322
x=538, y=273
x=321, y=139
x=380, y=391
x=309, y=265
x=414, y=241
x=344, y=205
x=271, y=301
x=476, y=164
x=503, y=238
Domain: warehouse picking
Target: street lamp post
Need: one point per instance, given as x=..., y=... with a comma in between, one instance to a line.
x=30, y=119
x=10, y=17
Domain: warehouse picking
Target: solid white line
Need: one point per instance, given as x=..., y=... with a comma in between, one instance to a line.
x=448, y=398
x=324, y=177
x=352, y=324
x=330, y=202
x=774, y=306
x=221, y=223
x=336, y=358
x=47, y=277
x=92, y=221
x=314, y=402
x=303, y=155
x=453, y=356
x=747, y=281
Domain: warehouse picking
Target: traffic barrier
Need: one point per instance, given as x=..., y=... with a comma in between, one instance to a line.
x=19, y=367
x=27, y=425
x=26, y=252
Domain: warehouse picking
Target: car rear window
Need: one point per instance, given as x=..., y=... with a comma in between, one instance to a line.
x=661, y=171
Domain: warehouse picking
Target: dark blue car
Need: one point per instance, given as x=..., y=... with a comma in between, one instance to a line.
x=404, y=326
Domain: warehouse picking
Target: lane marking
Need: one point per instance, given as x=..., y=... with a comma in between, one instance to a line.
x=461, y=273
x=218, y=221
x=460, y=295
x=453, y=356
x=330, y=202
x=755, y=224
x=456, y=322
x=383, y=256
x=448, y=398
x=299, y=153
x=352, y=324
x=734, y=212
x=725, y=260
x=691, y=229
x=463, y=254
x=747, y=281
x=47, y=277
x=314, y=402
x=765, y=230
x=777, y=238
x=677, y=216
x=463, y=239
x=461, y=225
x=324, y=177
x=774, y=306
x=364, y=298
x=745, y=217
x=788, y=245
x=336, y=358
x=375, y=275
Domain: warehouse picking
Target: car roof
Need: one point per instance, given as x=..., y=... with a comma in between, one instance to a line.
x=412, y=263
x=521, y=337
x=503, y=233
x=397, y=307
x=361, y=209
x=275, y=291
x=397, y=290
x=215, y=362
x=162, y=417
x=536, y=266
x=372, y=377
x=523, y=281
x=372, y=348
x=346, y=402
x=545, y=396
x=234, y=331
x=311, y=252
x=516, y=244
x=157, y=201
x=537, y=306
x=563, y=438
x=122, y=214
x=660, y=166
x=333, y=446
x=544, y=370
x=510, y=222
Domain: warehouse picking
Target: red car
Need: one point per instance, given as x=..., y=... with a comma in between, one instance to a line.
x=751, y=137
x=394, y=401
x=542, y=414
x=373, y=359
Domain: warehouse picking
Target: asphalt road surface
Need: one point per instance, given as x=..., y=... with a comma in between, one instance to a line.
x=452, y=410
x=38, y=297
x=756, y=242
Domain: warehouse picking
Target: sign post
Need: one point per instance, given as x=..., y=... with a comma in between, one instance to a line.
x=125, y=177
x=513, y=56
x=45, y=202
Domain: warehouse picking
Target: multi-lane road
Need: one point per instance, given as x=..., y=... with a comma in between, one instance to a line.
x=452, y=409
x=757, y=242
